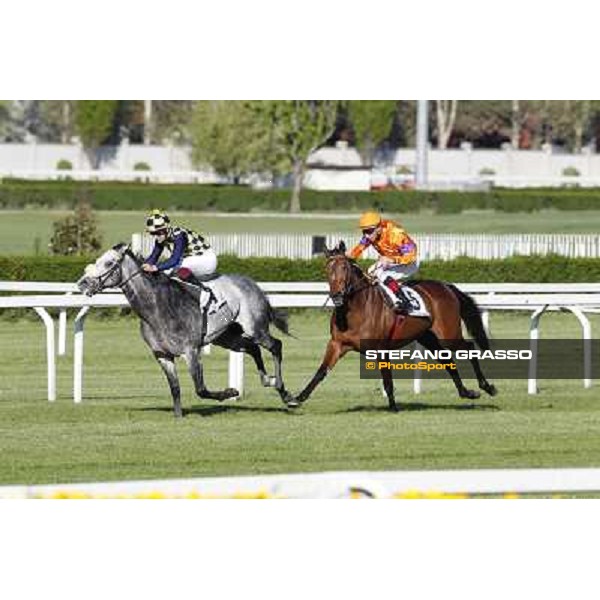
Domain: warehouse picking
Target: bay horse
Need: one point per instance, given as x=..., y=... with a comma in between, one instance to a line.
x=362, y=312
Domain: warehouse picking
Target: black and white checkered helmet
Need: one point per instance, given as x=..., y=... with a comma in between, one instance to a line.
x=157, y=220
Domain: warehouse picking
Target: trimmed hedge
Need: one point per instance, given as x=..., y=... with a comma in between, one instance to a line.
x=532, y=269
x=145, y=196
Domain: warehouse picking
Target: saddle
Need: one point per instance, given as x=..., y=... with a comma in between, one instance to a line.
x=204, y=294
x=412, y=304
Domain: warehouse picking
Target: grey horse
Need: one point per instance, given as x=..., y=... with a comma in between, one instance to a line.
x=174, y=325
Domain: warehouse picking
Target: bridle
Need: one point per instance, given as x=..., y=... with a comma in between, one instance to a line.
x=101, y=279
x=349, y=289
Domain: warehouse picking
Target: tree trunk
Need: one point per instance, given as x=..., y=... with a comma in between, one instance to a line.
x=515, y=125
x=446, y=115
x=581, y=120
x=147, y=122
x=298, y=175
x=93, y=154
x=66, y=122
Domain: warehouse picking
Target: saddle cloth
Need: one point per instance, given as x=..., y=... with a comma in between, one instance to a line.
x=218, y=311
x=415, y=304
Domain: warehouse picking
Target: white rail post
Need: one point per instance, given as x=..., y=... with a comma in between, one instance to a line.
x=586, y=330
x=78, y=355
x=418, y=378
x=236, y=371
x=50, y=351
x=137, y=243
x=62, y=330
x=534, y=334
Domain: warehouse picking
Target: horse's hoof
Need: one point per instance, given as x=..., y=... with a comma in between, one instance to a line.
x=490, y=389
x=471, y=394
x=292, y=402
x=230, y=393
x=394, y=409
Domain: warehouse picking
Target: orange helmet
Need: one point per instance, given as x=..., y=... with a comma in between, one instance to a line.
x=369, y=219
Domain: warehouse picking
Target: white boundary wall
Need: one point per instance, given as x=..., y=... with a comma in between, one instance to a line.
x=515, y=168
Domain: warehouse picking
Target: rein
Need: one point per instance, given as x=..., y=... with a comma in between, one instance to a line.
x=134, y=274
x=349, y=289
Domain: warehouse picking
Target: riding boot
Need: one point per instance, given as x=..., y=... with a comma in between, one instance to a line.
x=402, y=306
x=186, y=275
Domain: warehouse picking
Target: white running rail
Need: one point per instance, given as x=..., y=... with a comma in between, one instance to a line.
x=336, y=484
x=538, y=298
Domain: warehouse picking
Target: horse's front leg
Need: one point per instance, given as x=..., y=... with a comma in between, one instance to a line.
x=194, y=364
x=334, y=351
x=167, y=364
x=388, y=386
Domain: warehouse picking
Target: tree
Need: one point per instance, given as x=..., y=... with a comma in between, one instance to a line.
x=77, y=233
x=446, y=115
x=296, y=129
x=485, y=123
x=568, y=121
x=228, y=136
x=18, y=119
x=4, y=117
x=372, y=122
x=57, y=118
x=94, y=121
x=172, y=119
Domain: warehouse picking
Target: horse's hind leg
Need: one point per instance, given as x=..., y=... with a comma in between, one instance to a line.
x=388, y=386
x=167, y=364
x=484, y=384
x=196, y=372
x=254, y=351
x=273, y=345
x=431, y=342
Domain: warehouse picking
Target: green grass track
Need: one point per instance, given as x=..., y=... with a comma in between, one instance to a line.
x=124, y=429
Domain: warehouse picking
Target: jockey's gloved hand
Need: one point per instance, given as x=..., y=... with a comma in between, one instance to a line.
x=149, y=268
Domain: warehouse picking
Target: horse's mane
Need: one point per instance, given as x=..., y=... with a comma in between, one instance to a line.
x=356, y=267
x=138, y=259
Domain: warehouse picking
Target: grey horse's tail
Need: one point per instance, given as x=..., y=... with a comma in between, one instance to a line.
x=279, y=318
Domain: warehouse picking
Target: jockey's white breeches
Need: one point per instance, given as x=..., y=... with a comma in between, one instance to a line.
x=201, y=266
x=398, y=272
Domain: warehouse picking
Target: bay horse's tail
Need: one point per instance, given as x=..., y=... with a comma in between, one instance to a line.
x=471, y=315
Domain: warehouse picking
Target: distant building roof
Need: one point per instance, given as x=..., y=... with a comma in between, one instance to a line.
x=339, y=156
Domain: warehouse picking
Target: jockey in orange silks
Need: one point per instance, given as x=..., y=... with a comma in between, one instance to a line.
x=397, y=253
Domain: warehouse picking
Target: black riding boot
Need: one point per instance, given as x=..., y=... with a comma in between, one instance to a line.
x=402, y=305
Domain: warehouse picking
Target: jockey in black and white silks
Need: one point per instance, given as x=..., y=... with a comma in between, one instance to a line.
x=191, y=254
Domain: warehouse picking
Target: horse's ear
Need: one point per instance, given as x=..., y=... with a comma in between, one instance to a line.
x=121, y=248
x=326, y=251
x=342, y=247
